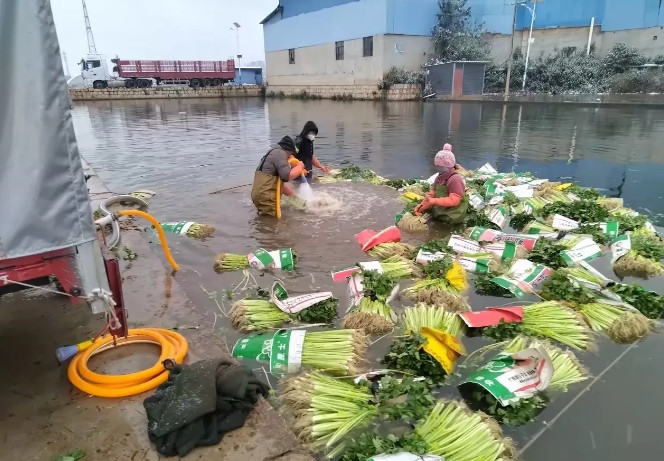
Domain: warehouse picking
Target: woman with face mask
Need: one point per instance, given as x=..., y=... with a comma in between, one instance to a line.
x=447, y=201
x=305, y=149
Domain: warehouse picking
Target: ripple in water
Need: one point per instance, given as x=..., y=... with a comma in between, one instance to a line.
x=323, y=202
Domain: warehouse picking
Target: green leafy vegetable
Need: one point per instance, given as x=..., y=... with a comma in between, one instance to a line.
x=405, y=399
x=647, y=247
x=485, y=287
x=405, y=355
x=434, y=246
x=647, y=302
x=369, y=444
x=510, y=199
x=437, y=269
x=548, y=253
x=355, y=172
x=475, y=183
x=560, y=287
x=504, y=331
x=73, y=456
x=519, y=221
x=322, y=312
x=583, y=211
x=478, y=218
x=516, y=414
x=584, y=193
x=595, y=232
x=628, y=223
x=377, y=286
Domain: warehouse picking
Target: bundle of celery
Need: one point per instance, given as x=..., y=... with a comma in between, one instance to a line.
x=536, y=227
x=230, y=262
x=644, y=257
x=411, y=223
x=387, y=250
x=200, y=231
x=414, y=318
x=372, y=316
x=567, y=369
x=647, y=302
x=259, y=314
x=256, y=315
x=326, y=409
x=454, y=432
x=444, y=282
x=339, y=352
x=406, y=353
x=551, y=320
x=622, y=325
x=398, y=267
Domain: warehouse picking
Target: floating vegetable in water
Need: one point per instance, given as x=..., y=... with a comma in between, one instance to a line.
x=647, y=302
x=621, y=325
x=412, y=223
x=256, y=315
x=230, y=262
x=423, y=315
x=372, y=316
x=387, y=250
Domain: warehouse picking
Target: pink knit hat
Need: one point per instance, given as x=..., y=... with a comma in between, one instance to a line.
x=445, y=158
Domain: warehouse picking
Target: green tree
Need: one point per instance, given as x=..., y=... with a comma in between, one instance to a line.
x=455, y=36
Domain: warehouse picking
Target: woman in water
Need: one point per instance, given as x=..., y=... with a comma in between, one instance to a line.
x=447, y=200
x=305, y=149
x=274, y=170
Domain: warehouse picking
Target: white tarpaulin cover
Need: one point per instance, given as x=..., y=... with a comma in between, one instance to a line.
x=44, y=203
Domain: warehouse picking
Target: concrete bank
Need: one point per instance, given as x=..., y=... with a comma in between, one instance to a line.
x=90, y=94
x=400, y=92
x=42, y=415
x=581, y=99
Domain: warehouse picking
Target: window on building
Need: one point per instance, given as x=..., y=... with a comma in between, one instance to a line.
x=339, y=50
x=367, y=46
x=291, y=56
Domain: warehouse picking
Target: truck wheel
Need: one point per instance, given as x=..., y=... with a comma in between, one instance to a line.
x=206, y=82
x=143, y=83
x=129, y=84
x=98, y=84
x=194, y=83
x=216, y=82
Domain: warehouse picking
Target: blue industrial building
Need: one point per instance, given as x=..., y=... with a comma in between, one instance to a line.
x=249, y=75
x=354, y=42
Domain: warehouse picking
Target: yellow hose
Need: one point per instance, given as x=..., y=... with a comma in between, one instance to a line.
x=162, y=236
x=279, y=198
x=173, y=346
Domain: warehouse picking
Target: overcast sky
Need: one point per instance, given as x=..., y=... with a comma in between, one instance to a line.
x=163, y=29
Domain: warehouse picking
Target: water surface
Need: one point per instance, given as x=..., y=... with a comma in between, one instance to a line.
x=185, y=149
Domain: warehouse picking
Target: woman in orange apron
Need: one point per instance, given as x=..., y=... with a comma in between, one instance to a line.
x=272, y=171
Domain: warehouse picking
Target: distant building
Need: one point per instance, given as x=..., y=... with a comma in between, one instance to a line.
x=345, y=42
x=249, y=75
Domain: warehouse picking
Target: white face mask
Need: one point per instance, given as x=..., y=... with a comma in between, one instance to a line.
x=311, y=136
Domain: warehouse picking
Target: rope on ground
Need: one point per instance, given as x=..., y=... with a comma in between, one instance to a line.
x=229, y=188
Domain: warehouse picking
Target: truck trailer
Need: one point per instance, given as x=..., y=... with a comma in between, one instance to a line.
x=145, y=73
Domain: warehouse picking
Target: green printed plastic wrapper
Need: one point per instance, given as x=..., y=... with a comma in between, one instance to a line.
x=278, y=259
x=620, y=247
x=523, y=277
x=476, y=201
x=585, y=250
x=474, y=265
x=512, y=377
x=177, y=227
x=504, y=250
x=498, y=216
x=293, y=305
x=610, y=228
x=283, y=350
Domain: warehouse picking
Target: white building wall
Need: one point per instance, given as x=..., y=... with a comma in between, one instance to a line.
x=317, y=65
x=407, y=51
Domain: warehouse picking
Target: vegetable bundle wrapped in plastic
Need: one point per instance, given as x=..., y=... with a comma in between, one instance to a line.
x=387, y=250
x=445, y=281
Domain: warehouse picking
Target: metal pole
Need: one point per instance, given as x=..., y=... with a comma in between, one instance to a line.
x=590, y=35
x=510, y=59
x=530, y=39
x=239, y=59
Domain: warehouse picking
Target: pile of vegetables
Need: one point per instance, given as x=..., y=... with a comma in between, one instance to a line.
x=354, y=172
x=261, y=314
x=373, y=315
x=444, y=282
x=644, y=257
x=387, y=250
x=411, y=223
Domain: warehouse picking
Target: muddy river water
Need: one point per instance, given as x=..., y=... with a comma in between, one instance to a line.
x=186, y=149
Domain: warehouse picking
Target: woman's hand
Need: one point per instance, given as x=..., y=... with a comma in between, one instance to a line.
x=422, y=207
x=325, y=169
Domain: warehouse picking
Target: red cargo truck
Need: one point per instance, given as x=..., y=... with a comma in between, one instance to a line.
x=142, y=73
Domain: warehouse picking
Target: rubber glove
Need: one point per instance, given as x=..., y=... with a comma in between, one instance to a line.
x=450, y=201
x=422, y=207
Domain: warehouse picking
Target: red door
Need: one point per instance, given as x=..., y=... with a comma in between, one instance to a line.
x=457, y=86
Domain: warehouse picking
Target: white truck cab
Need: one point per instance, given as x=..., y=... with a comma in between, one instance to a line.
x=95, y=74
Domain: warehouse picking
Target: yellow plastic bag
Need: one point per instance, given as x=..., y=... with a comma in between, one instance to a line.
x=413, y=196
x=563, y=186
x=457, y=277
x=443, y=347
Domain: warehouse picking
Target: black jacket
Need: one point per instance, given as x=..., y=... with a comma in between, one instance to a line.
x=305, y=147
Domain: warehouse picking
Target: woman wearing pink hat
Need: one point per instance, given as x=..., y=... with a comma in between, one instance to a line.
x=447, y=200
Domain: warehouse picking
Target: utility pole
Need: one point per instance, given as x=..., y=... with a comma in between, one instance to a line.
x=511, y=59
x=92, y=48
x=530, y=39
x=64, y=59
x=239, y=56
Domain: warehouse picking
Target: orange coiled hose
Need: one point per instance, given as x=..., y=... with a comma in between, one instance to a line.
x=173, y=346
x=162, y=236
